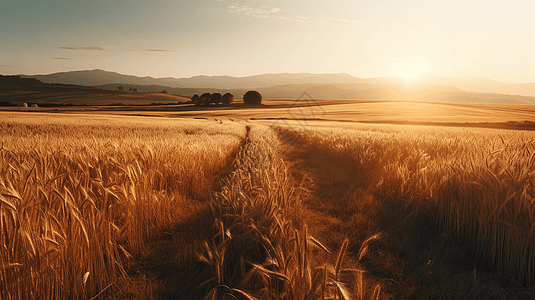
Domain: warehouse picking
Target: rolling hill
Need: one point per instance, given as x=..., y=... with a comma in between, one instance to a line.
x=100, y=77
x=293, y=86
x=468, y=84
x=14, y=89
x=352, y=91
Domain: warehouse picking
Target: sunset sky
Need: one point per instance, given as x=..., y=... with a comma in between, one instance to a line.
x=161, y=38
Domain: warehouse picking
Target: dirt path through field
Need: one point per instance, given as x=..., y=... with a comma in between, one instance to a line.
x=403, y=260
x=170, y=268
x=338, y=207
x=412, y=259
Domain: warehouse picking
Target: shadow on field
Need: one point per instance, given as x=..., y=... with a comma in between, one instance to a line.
x=413, y=259
x=170, y=269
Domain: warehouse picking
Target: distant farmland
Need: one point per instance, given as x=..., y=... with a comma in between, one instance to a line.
x=17, y=90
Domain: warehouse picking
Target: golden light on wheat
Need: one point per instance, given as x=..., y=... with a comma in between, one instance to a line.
x=81, y=195
x=477, y=183
x=81, y=198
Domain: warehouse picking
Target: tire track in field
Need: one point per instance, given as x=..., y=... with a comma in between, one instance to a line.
x=412, y=260
x=170, y=269
x=336, y=207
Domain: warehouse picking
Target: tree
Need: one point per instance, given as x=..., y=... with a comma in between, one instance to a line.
x=228, y=98
x=196, y=99
x=252, y=97
x=120, y=88
x=205, y=99
x=216, y=98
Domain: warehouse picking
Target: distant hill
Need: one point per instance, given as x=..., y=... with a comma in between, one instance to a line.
x=17, y=90
x=341, y=80
x=321, y=86
x=100, y=77
x=392, y=92
x=97, y=77
x=483, y=85
x=420, y=92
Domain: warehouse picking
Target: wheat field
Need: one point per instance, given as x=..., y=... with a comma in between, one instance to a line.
x=80, y=195
x=477, y=183
x=85, y=197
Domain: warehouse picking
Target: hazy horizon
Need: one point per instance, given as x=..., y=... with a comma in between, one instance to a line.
x=399, y=77
x=244, y=38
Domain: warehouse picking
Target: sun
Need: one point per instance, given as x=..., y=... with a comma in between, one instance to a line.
x=410, y=68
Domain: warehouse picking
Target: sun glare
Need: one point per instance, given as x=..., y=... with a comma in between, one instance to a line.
x=410, y=68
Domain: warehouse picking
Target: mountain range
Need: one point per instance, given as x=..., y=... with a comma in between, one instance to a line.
x=333, y=86
x=100, y=77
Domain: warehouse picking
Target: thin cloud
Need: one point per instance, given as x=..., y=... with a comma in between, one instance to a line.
x=7, y=66
x=83, y=48
x=64, y=58
x=159, y=50
x=345, y=21
x=264, y=12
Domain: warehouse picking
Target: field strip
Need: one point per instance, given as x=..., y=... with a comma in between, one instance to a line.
x=83, y=198
x=412, y=259
x=171, y=268
x=263, y=246
x=336, y=208
x=126, y=207
x=380, y=112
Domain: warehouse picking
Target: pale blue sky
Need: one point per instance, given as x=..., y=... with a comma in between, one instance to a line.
x=160, y=38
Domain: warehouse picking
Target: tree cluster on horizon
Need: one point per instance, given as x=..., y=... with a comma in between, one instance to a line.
x=251, y=97
x=215, y=98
